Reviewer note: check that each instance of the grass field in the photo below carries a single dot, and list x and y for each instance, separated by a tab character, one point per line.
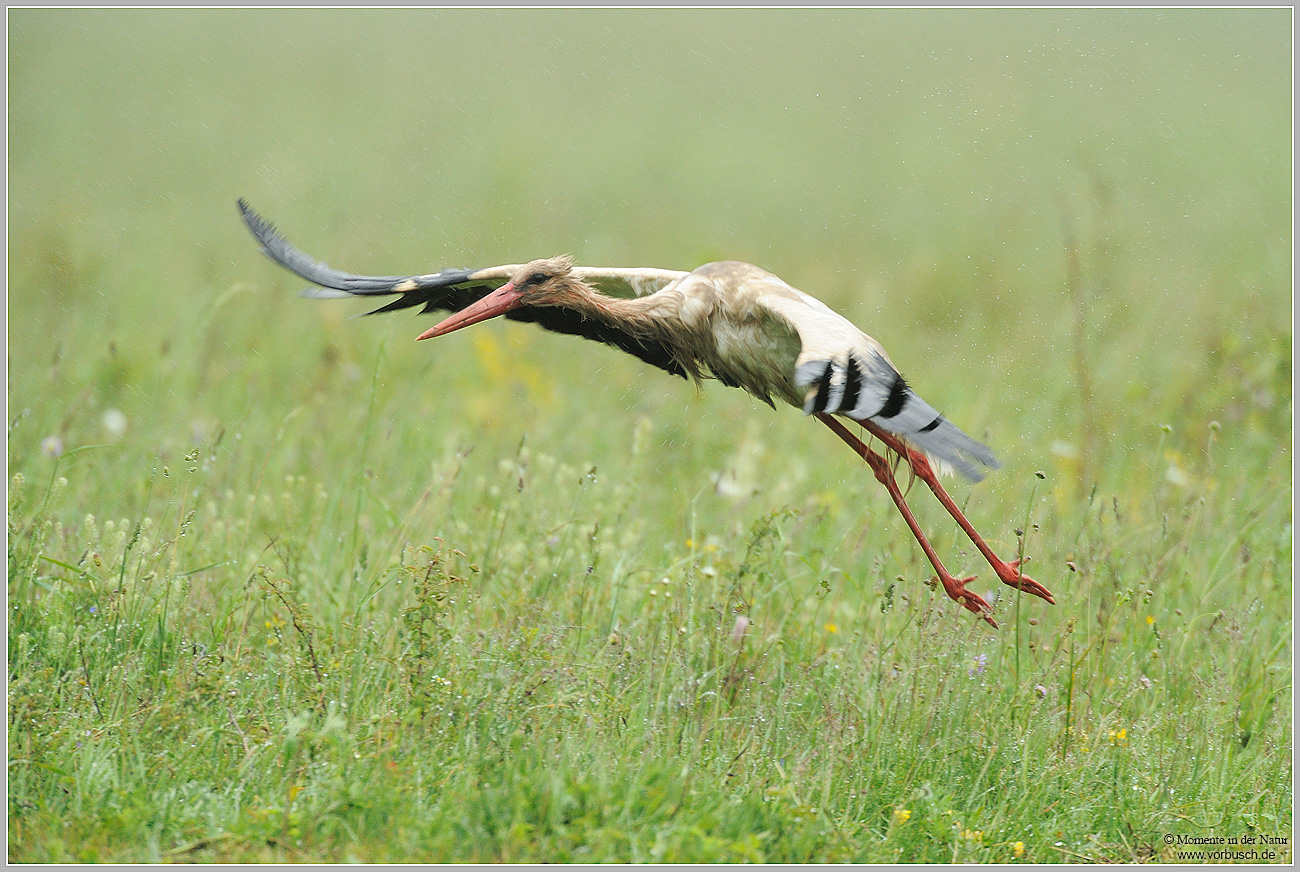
287	586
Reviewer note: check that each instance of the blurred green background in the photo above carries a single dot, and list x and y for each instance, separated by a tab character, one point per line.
913	168
1072	231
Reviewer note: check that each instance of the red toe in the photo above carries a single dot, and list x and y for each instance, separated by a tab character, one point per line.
1011	575
957	590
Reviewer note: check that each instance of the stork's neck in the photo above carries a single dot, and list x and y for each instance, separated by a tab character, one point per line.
656	320
651	313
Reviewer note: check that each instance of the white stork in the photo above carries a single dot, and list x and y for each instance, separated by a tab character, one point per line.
728	320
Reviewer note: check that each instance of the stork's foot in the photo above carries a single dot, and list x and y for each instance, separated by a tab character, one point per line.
1010	574
973	602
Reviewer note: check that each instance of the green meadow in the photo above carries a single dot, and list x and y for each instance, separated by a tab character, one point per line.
285	585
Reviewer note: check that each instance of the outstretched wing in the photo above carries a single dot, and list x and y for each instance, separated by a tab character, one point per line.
454	289
628	281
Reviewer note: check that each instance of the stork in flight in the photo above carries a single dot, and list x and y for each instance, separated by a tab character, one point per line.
728	320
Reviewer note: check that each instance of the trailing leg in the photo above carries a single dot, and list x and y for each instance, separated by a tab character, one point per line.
1009	572
954	587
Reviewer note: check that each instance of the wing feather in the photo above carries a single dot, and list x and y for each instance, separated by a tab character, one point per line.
628	281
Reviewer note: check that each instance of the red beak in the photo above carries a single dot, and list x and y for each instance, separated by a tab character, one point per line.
500	301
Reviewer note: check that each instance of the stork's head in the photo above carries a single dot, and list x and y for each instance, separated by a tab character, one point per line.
547	282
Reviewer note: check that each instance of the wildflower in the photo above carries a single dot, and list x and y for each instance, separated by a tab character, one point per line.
972	835
52	446
1018	849
1065	450
1120	737
1042	691
1145	682
115	423
1151	619
1175	474
901	815
977	665
831	628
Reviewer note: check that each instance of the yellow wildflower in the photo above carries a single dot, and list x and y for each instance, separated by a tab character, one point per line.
1018	849
901	815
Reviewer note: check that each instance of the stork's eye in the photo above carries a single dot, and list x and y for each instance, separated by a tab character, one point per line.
536	278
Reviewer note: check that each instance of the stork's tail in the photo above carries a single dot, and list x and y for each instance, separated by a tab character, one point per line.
922	425
869	388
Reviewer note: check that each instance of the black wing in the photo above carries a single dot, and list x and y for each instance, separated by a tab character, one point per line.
450	290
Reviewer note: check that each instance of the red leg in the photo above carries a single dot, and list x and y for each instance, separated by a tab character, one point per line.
954	587
1009	572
